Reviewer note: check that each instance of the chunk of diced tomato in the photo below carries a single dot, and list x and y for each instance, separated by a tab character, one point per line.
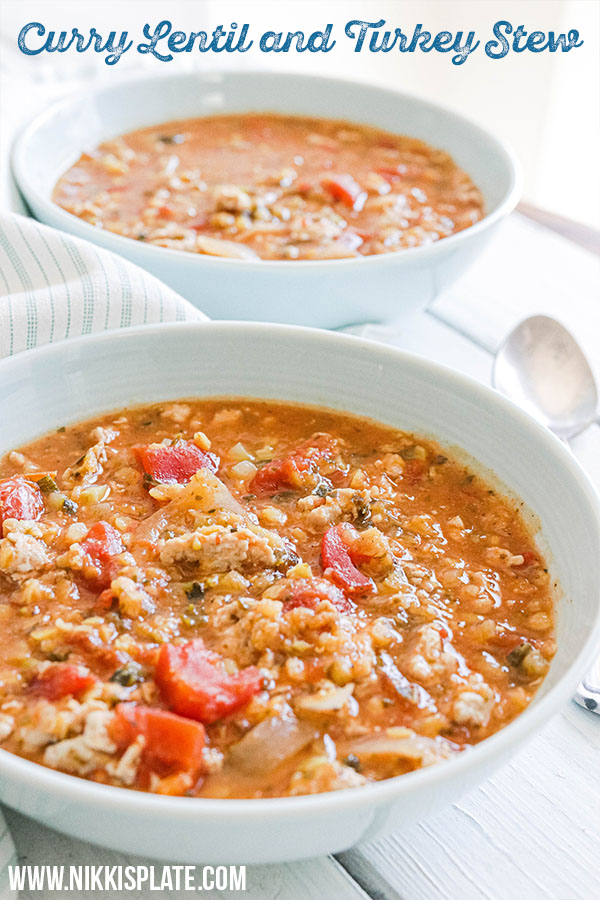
336	557
20	499
171	742
194	684
309	592
290	471
529	559
343	188
104	601
103	542
175	463
507	640
402	170
61	680
276	476
414	469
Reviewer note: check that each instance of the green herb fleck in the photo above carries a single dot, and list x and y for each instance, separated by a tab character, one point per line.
196	591
131	673
282	496
516	656
363	511
47	484
408	452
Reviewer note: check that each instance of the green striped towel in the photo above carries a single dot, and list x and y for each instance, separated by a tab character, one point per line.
54	286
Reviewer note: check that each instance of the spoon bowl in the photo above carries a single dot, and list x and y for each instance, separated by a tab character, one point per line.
543	369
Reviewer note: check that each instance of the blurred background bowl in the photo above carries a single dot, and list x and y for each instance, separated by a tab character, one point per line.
324	293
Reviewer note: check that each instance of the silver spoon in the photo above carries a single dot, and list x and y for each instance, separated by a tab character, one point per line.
541	367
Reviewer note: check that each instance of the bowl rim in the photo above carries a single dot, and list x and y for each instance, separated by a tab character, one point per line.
68	788
119	242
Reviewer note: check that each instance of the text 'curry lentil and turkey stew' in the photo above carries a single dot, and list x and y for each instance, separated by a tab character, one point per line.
229	598
271	187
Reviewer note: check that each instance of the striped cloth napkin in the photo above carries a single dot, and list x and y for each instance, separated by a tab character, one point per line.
54	286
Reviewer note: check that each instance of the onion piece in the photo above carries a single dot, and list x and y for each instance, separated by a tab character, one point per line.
270	743
405	743
412	692
331	250
328	700
204	492
229	249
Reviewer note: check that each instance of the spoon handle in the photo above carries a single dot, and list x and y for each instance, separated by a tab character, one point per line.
588	690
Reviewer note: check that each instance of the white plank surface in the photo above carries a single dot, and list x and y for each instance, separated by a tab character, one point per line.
527	270
531	831
316	879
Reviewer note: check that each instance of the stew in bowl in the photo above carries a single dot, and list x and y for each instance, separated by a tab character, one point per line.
270	186
231	598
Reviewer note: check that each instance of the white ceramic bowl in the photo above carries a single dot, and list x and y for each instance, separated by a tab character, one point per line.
325	293
44	388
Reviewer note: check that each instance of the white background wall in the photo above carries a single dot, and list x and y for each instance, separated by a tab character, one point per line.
546	105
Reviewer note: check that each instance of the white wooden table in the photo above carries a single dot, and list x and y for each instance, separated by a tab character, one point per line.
533	830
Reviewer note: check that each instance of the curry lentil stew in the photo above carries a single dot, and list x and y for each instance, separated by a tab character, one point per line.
229	598
271	187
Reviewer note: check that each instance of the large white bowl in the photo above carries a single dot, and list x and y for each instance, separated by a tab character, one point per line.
325	293
46	388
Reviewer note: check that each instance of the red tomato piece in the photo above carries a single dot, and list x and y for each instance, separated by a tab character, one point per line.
102	543
200	224
276	476
172	742
61	679
308	592
507	640
194	684
529	559
175	464
104	601
336	557
412	170
343	188
20	499
289	472
414	469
